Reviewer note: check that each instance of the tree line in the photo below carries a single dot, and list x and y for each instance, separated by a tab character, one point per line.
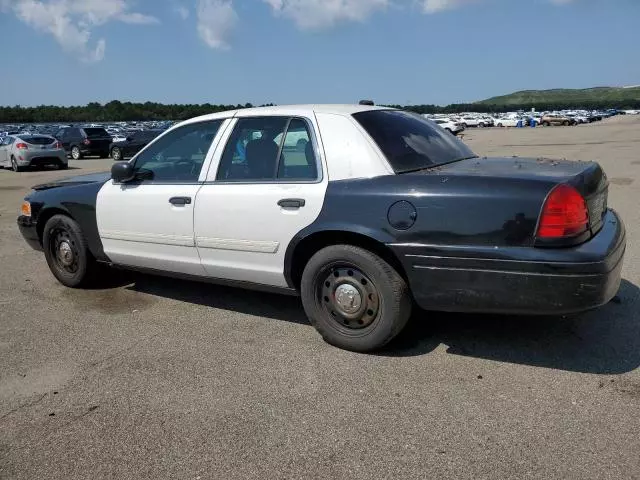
116	111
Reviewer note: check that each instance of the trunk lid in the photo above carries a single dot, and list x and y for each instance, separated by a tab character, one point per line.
586	177
99	138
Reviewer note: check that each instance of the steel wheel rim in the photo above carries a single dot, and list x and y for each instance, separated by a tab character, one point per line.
64	251
348	297
75	153
116	154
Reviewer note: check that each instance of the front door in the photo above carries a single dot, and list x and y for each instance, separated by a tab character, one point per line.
148	222
268	185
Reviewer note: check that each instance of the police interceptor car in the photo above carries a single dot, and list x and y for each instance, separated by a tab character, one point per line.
364	211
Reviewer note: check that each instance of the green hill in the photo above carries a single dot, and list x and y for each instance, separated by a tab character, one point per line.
569	97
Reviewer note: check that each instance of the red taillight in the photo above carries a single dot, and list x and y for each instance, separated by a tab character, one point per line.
22	146
564	214
58	146
86	141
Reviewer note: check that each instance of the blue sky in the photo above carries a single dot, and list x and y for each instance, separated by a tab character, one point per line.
71	52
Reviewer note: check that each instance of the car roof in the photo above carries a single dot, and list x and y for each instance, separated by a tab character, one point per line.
307	110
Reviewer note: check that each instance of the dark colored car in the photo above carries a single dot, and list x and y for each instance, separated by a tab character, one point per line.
133	144
85	141
363	211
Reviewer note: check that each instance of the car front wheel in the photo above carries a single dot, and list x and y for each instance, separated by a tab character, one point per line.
66	252
355	299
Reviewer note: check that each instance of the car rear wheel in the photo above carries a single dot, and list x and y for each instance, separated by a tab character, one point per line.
66	251
75	153
116	154
481	125
14	165
353	298
545	124
565	123
500	125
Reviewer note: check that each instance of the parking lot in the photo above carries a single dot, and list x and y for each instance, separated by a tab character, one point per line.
159	378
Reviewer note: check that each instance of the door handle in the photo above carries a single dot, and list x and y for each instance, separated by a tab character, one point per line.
291	202
180	200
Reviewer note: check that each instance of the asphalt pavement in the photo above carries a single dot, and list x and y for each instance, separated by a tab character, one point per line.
157	378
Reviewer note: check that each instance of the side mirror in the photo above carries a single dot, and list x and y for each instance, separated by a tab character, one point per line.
122	172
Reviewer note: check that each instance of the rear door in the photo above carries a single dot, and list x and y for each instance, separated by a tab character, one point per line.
266	184
149	223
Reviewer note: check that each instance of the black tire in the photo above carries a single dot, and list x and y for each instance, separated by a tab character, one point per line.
73	271
500	125
116	154
565	123
63	166
545	124
14	165
104	154
481	125
385	301
76	154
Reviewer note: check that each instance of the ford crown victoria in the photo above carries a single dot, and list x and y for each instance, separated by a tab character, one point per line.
365	212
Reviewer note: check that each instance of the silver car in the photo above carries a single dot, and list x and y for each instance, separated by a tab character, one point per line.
20	151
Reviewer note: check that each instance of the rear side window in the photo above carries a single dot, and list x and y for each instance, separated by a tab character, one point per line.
38	140
268	149
411	142
297	160
95	132
252	150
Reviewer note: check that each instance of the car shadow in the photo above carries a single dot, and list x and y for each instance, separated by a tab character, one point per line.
602	341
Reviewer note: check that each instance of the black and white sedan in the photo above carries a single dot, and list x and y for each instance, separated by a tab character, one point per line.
362	211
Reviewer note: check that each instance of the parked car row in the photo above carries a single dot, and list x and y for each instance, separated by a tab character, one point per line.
457	123
37	145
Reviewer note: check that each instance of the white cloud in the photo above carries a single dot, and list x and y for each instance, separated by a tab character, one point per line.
179	8
315	14
216	21
434	6
70	21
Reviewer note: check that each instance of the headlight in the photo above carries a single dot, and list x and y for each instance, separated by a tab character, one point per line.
25	209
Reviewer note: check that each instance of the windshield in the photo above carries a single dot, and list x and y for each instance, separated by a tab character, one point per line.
411	142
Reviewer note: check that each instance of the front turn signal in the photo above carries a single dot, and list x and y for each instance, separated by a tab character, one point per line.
25	209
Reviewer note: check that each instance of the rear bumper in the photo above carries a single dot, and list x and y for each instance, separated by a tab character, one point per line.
518	280
37	159
27	228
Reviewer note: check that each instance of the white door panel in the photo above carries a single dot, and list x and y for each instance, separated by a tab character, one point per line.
139	227
243	234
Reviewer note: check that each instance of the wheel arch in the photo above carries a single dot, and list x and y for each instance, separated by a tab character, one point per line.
304	247
45	215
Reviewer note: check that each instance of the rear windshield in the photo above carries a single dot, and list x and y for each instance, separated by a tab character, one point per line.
411	142
96	132
34	140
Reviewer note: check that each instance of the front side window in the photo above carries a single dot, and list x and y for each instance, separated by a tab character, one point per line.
179	155
411	142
